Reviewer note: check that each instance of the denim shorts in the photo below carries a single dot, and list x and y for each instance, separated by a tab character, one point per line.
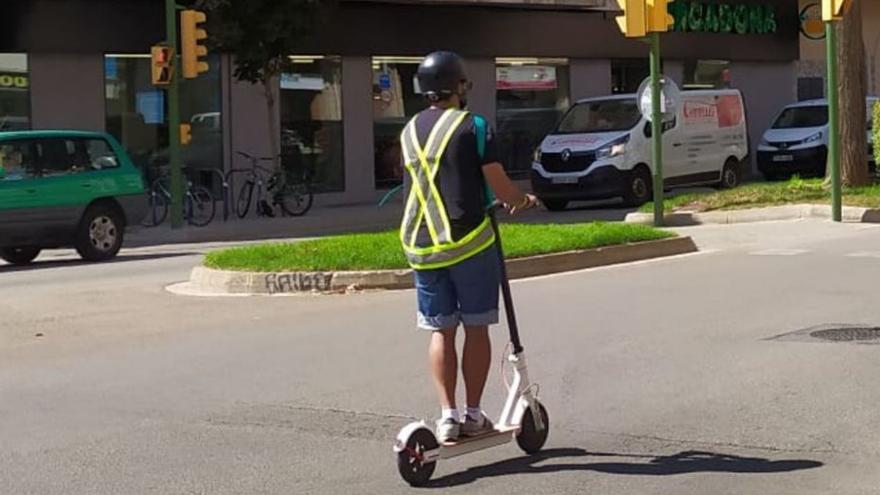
465	293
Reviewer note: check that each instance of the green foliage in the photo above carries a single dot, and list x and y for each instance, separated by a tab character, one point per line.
261	34
875	131
381	250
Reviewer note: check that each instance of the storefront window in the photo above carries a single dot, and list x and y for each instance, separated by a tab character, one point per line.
395	101
311	120
532	94
137	115
15	99
627	75
706	74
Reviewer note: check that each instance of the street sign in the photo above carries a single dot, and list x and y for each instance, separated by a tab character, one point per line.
384	81
812	26
669	102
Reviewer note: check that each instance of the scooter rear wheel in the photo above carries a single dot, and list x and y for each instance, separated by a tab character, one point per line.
529	438
412	469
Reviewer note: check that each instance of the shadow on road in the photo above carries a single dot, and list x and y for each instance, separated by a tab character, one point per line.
67	262
686	462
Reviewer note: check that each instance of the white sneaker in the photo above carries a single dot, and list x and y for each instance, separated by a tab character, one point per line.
448	430
474	427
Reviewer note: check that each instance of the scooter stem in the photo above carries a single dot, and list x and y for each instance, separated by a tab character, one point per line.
505	286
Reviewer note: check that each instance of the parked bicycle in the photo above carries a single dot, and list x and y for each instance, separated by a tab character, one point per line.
198	203
289	190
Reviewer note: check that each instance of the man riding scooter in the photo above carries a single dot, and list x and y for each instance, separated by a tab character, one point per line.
450	158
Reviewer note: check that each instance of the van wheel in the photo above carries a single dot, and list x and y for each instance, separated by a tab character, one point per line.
100	232
729	175
555	204
638	187
19	255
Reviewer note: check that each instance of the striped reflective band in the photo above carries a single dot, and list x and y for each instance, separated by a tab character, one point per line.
449	254
424	202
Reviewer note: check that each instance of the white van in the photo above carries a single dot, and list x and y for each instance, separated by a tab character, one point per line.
797	142
602	148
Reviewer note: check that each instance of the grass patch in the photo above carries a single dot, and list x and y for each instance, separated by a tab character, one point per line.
382	251
794	191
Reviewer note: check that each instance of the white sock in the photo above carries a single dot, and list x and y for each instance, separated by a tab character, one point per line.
450	413
475	413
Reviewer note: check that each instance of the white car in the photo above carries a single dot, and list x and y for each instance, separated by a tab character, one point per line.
797	142
602	148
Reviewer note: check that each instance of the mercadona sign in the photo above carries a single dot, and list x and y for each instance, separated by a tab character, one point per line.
693	16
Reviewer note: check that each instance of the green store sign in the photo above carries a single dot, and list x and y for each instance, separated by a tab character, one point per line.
704	17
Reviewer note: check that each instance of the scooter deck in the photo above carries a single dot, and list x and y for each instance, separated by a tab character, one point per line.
462	441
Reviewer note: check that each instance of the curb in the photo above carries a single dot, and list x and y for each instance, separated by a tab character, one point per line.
208	281
774	213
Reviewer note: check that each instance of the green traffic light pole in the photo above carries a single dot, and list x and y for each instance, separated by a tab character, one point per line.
833	120
656	129
174	117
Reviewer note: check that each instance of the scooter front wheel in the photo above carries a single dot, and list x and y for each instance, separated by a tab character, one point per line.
529	438
410	461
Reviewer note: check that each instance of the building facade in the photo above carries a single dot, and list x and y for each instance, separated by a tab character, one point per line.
352	85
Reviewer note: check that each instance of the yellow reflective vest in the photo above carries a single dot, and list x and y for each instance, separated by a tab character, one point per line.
424	205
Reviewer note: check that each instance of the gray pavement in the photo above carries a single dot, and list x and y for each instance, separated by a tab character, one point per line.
660	377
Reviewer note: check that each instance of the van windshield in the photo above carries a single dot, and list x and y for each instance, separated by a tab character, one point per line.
600	116
796	117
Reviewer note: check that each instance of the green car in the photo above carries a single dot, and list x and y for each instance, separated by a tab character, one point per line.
63	189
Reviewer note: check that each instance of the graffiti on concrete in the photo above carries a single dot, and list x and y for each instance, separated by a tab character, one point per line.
282	283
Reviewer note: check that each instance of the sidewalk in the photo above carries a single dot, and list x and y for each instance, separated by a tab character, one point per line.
318	221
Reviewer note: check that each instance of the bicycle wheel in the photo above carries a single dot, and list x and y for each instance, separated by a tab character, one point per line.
158	204
295	199
244	199
200	206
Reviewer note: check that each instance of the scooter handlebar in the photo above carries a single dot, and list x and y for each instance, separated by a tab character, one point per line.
500	205
495	206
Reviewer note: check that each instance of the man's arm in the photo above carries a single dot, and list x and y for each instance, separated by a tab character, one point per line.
506	190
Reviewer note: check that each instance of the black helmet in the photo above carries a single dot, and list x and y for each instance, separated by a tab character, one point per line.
441	73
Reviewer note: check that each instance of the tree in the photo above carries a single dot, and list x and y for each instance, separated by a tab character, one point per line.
852	91
261	35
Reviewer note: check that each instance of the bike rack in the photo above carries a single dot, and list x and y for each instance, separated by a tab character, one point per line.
229	181
188	177
225	191
254	168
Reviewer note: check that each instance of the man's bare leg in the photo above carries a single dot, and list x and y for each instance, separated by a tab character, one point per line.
443	359
475	362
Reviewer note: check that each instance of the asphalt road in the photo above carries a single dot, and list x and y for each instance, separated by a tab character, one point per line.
660	377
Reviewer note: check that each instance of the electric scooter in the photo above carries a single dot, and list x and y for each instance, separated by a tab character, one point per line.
523	418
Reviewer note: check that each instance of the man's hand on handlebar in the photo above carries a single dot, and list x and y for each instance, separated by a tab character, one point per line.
529	201
506	191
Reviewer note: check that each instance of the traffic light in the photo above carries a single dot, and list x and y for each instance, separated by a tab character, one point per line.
185	134
833	10
659	20
162	64
633	23
192	47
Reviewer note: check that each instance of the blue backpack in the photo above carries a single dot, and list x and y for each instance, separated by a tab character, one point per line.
481	128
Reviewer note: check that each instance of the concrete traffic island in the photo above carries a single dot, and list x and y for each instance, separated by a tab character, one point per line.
206	281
